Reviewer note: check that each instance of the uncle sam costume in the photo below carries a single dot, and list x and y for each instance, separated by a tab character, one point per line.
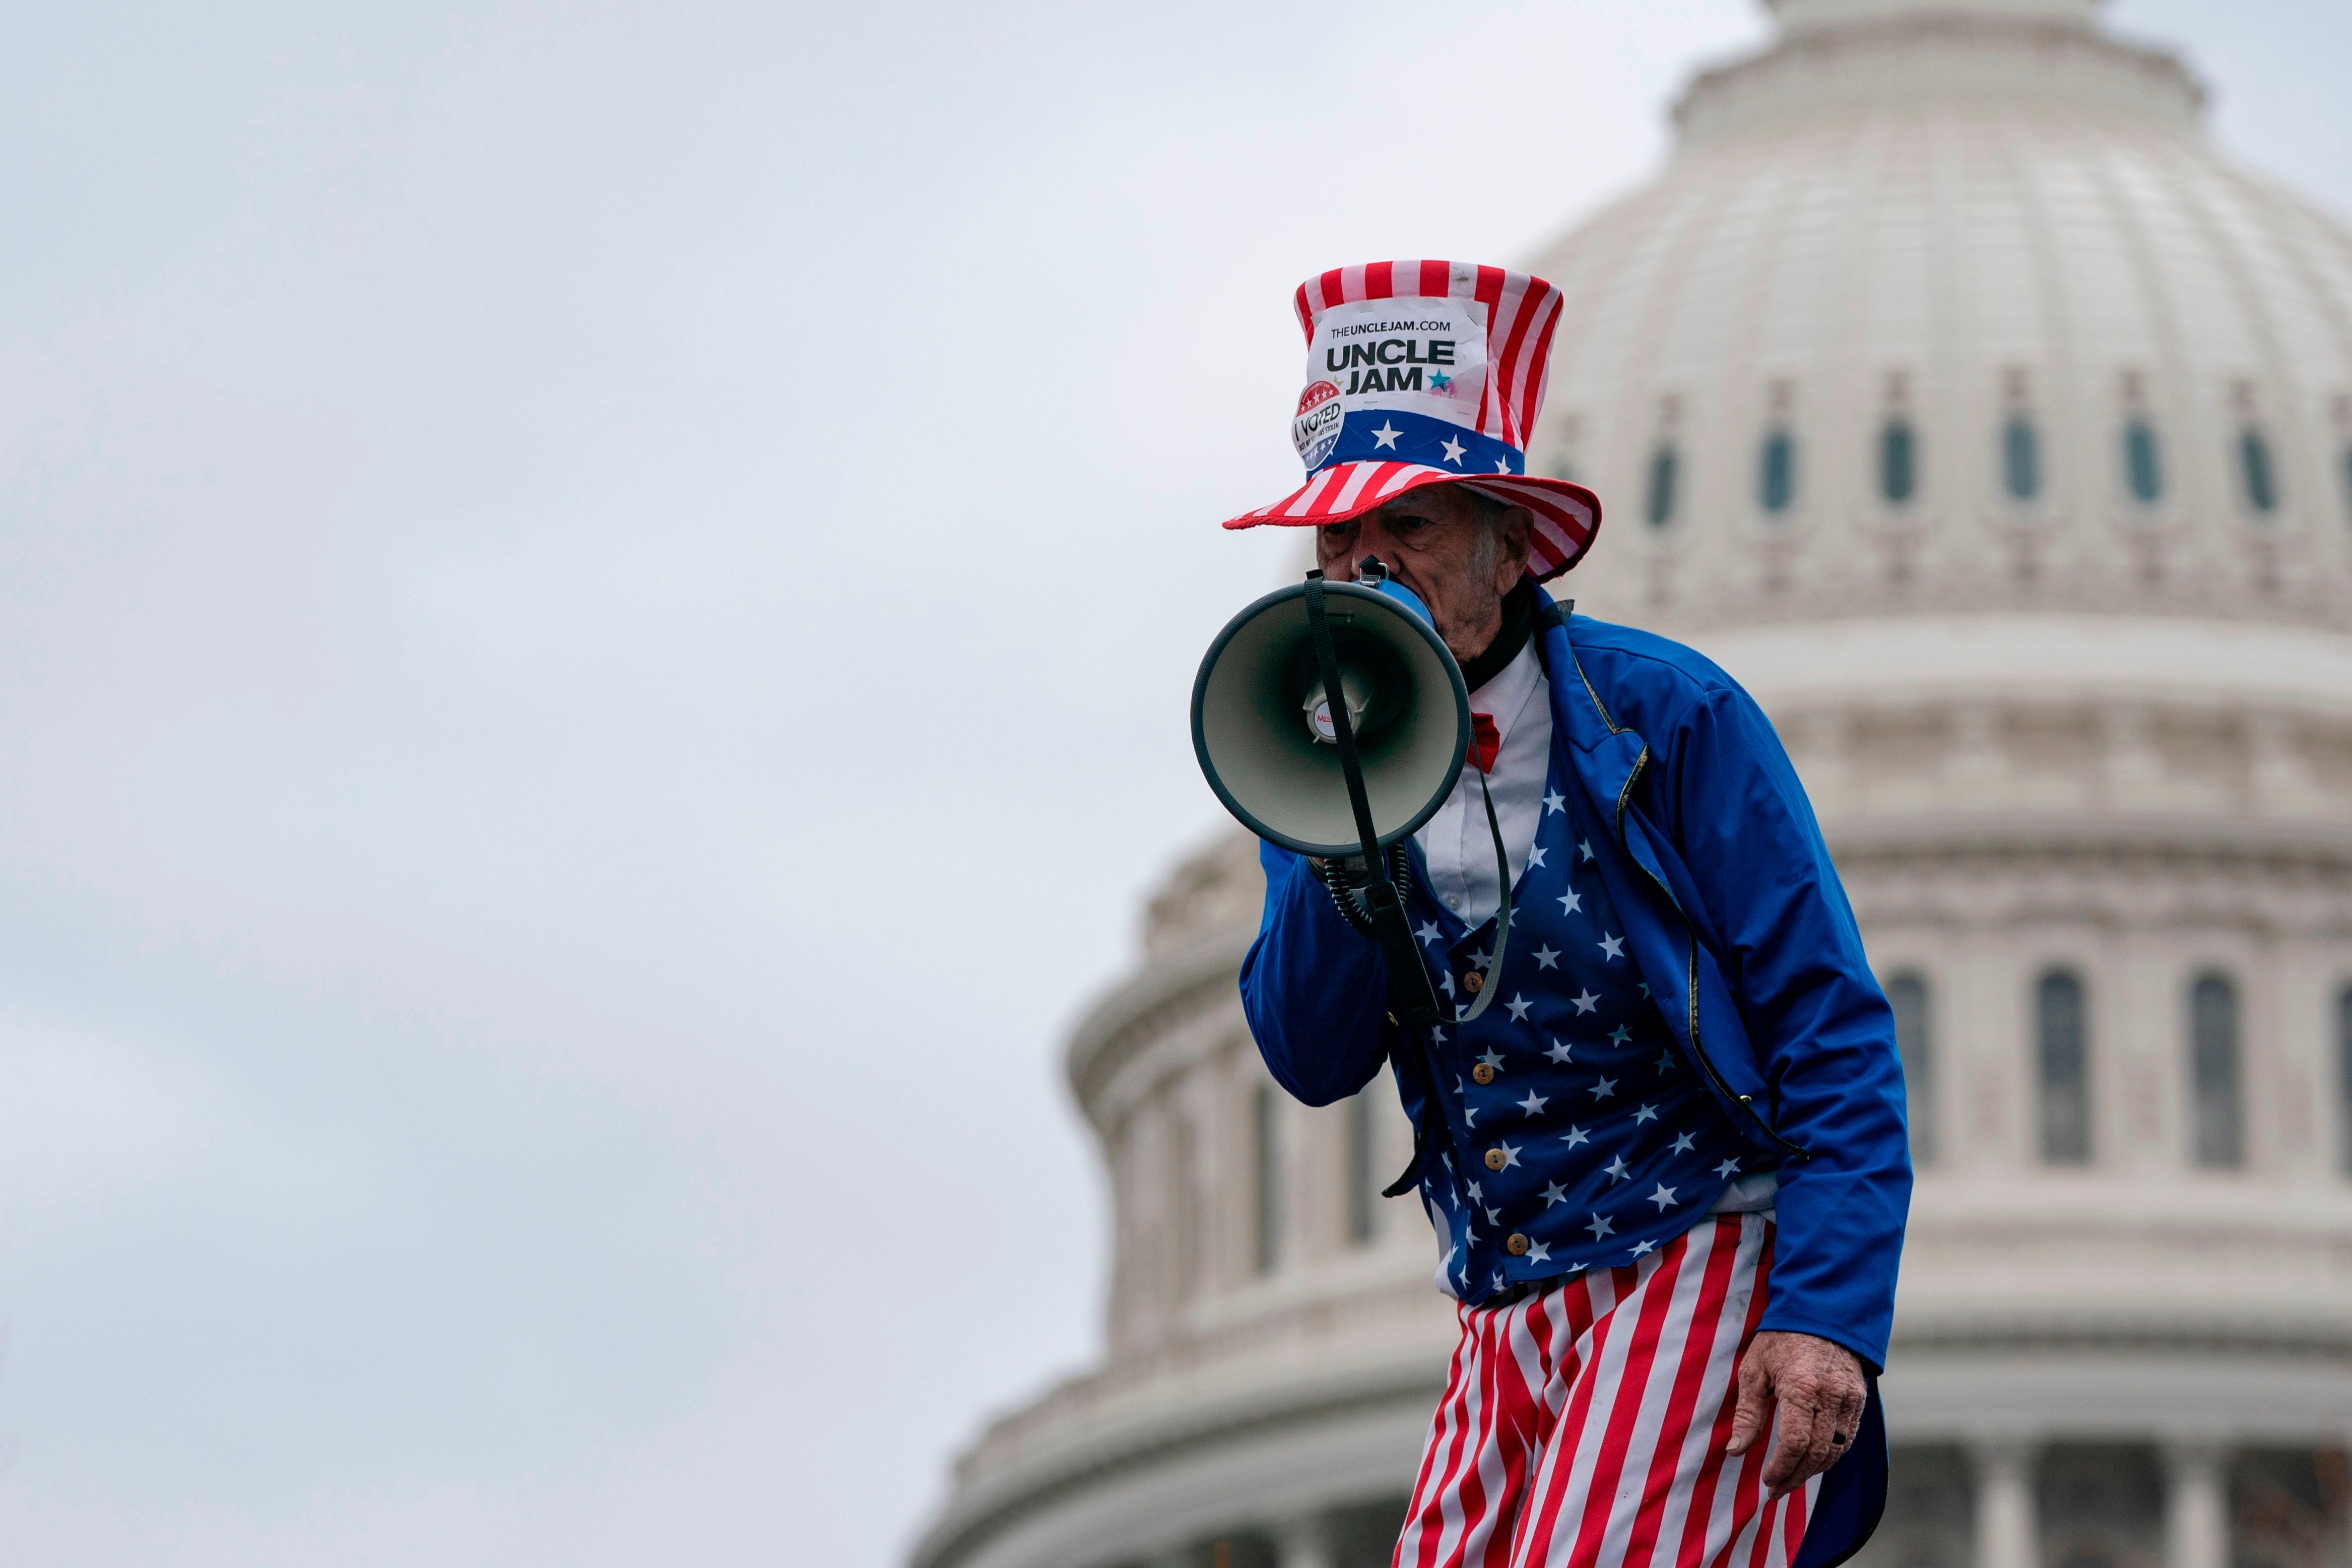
1679	1121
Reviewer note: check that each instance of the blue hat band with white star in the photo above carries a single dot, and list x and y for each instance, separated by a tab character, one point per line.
1395	436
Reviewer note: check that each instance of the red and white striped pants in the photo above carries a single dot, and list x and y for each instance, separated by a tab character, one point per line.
1583	1426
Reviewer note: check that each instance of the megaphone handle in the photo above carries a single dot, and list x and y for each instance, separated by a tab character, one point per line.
1348	901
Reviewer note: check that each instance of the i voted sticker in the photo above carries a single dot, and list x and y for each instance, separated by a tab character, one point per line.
1315	429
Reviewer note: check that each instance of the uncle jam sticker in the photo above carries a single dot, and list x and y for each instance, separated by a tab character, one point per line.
1416	356
1315	429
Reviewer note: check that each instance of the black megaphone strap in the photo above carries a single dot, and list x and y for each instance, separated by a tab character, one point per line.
1413	997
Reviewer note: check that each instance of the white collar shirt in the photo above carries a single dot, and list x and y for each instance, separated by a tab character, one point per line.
1456	844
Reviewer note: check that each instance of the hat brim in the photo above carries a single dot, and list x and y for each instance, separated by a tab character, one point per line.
1567	515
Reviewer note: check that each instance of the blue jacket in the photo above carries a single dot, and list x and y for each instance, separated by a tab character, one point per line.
1736	916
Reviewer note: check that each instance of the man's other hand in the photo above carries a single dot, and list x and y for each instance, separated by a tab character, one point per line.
1818	1388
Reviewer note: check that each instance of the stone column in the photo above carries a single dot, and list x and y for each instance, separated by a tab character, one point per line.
2196	1509
1306	1543
2008	1533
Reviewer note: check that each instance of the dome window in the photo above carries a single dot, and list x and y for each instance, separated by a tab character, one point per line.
1898	461
2217	1138
2065	1070
1906	993
2021	460
2142	471
1663	463
2344	1081
2255	469
1776	475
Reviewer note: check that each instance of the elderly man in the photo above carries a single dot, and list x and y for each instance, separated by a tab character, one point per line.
1667	1162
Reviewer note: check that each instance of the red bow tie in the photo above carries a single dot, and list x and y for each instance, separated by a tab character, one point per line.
1485	742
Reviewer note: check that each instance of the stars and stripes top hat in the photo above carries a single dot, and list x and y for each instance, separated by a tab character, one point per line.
1428	373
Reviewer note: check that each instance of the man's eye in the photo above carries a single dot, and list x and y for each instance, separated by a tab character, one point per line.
1407	525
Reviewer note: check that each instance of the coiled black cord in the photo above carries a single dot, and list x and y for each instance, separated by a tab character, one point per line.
1343	879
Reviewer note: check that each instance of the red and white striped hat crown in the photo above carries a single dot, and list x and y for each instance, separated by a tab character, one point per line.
1428	373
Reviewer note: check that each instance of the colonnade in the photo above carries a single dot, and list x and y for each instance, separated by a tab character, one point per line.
2007	1518
1303	1540
2008	1522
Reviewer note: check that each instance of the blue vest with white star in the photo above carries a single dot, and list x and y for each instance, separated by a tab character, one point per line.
1582	1138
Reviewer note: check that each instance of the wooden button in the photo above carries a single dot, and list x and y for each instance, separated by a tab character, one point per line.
1518	1243
1473	981
1483	1073
1494	1159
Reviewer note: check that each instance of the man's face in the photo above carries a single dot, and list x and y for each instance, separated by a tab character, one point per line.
1429	540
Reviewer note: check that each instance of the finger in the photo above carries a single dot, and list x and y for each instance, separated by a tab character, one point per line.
1837	1418
1800	1438
1754	1408
1846	1427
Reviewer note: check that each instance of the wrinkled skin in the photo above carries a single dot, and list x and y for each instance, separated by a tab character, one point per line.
1429	540
1817	1389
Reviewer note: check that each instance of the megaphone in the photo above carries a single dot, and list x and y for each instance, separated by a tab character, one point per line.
1264	730
1331	720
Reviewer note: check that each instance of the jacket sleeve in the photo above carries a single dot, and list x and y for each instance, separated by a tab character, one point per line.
1821	1030
1314	989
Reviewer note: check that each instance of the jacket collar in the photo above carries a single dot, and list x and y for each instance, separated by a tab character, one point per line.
1576	705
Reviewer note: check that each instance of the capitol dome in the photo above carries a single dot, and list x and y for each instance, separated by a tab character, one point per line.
1955	307
1954	394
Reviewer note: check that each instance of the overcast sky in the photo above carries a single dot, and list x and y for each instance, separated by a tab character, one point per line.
595	608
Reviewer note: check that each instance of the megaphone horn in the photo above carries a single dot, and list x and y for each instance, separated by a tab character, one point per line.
1264	730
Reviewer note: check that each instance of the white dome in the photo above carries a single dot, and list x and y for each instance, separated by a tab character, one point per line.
1797	15
1958	221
